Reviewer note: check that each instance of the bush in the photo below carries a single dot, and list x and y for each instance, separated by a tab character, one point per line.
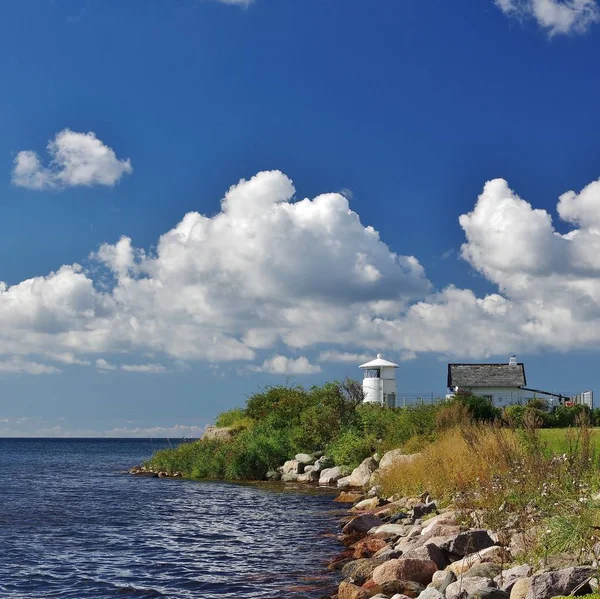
236	418
351	448
565	416
480	408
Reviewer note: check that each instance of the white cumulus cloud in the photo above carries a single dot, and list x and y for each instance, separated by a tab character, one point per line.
144	368
555	16
76	159
279	364
19	366
272	272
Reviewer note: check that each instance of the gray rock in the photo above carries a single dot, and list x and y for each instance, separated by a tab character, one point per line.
395	457
289	478
446	582
468	542
428	551
407	588
388	553
304	458
362	524
483	570
292	467
343	483
328	476
308	477
323	462
506	580
431	593
423	508
389	530
559	582
489	593
273	475
360	570
361	475
468	586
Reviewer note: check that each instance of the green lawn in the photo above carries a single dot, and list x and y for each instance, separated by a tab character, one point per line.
556	438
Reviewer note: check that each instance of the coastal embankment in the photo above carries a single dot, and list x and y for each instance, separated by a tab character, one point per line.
449	501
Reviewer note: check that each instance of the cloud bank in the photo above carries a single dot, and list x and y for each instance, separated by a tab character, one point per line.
555	16
76	159
271	275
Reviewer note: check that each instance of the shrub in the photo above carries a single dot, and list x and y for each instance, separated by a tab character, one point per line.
351	447
236	418
480	408
567	415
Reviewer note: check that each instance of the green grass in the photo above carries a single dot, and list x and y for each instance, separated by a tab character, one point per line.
556	439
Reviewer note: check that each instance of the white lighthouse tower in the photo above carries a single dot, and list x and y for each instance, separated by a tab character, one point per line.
379	382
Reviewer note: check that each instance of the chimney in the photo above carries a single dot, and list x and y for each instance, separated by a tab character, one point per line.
512	361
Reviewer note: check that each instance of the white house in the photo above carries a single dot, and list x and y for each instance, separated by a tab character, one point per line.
379	382
504	384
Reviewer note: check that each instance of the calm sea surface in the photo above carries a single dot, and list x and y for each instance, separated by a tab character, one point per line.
73	526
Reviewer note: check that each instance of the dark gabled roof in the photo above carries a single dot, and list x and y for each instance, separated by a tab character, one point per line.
486	375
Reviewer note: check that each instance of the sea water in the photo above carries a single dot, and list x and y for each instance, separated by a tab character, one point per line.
74	525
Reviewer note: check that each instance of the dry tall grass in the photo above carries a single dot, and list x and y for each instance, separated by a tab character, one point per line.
462	458
505	479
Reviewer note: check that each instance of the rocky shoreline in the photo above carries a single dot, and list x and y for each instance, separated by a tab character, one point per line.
410	548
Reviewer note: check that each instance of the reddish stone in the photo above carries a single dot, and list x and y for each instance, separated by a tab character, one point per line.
347	590
349	497
367	547
417	570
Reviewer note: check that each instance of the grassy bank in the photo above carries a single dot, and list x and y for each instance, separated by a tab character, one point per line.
281	421
511	480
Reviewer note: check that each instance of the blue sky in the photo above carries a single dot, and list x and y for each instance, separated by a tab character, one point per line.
120	316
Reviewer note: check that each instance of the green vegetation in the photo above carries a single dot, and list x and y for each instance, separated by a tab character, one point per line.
281	421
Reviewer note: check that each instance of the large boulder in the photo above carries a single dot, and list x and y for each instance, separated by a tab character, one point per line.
496	554
289	478
520	588
483	570
218	433
468	542
387	531
308	477
404	588
559	582
347	590
395	457
446	518
292	467
304	458
360	570
362	524
371	503
428	552
417	570
489	593
323	462
368	546
506	580
349	497
343	483
468	586
361	475
441	579
328	476
431	593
